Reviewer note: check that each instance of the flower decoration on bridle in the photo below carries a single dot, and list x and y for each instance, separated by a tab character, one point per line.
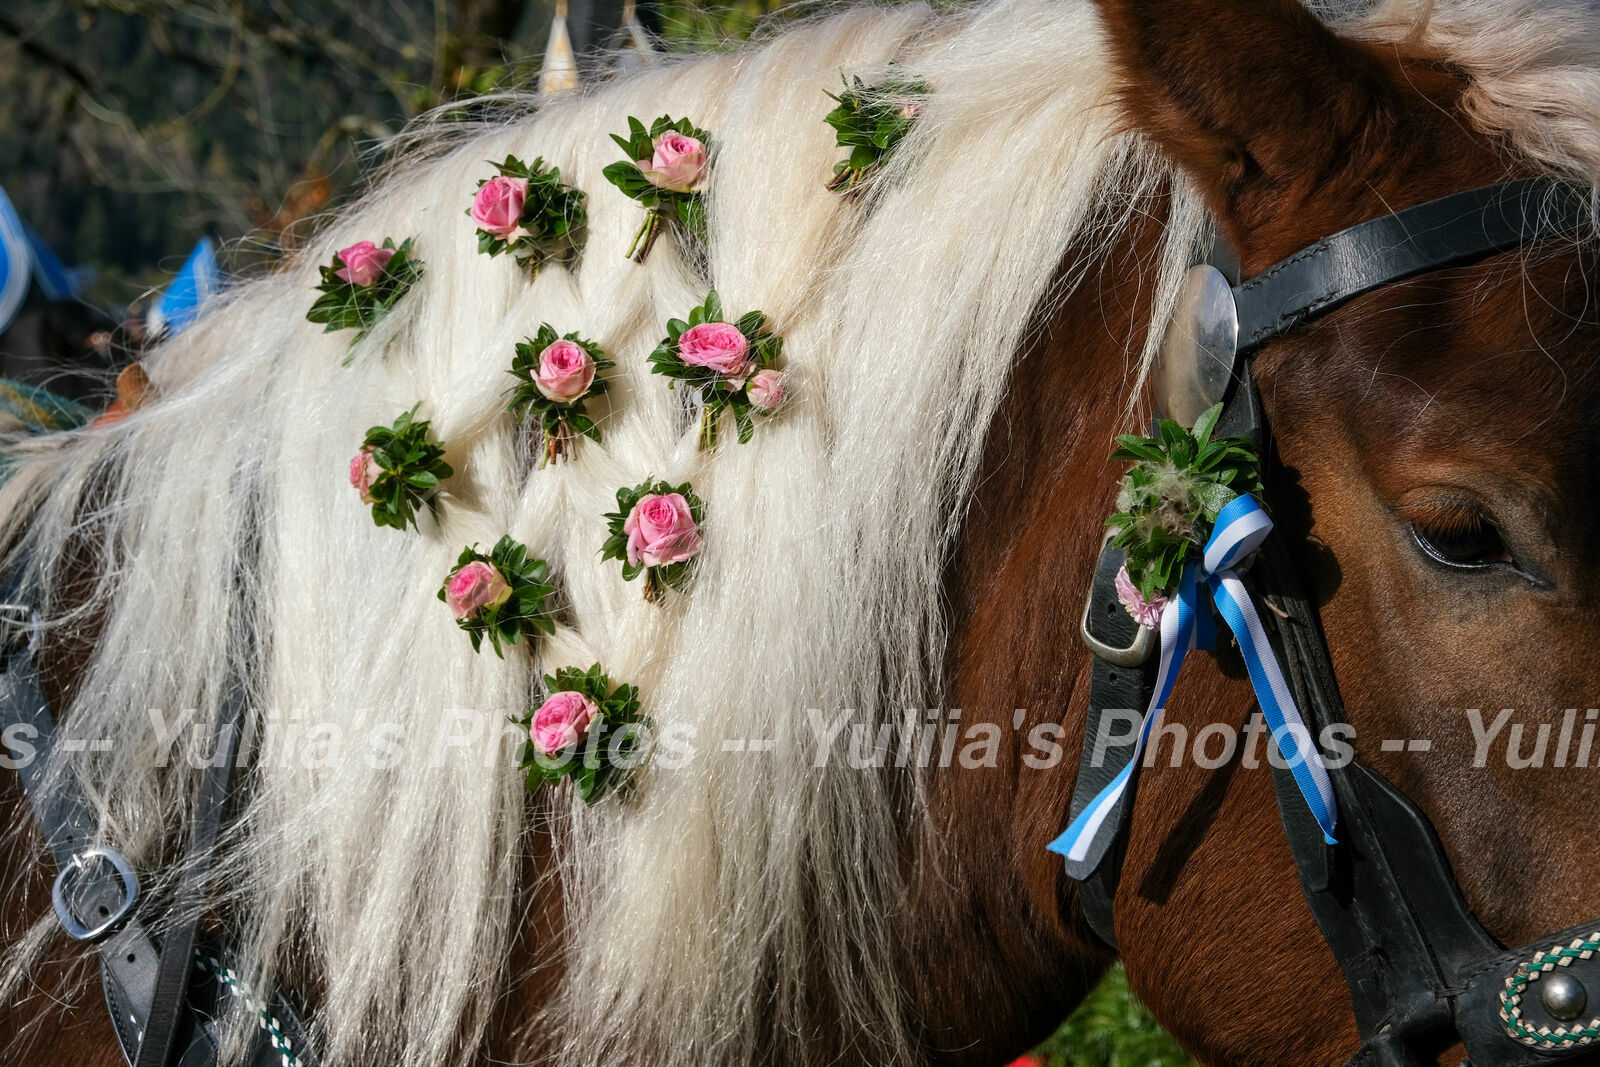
1188	524
555	376
870	120
501	595
398	470
361	284
587	730
528	212
730	366
655	531
665	172
1179	482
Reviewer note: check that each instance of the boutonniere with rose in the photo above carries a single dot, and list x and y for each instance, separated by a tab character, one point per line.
528	212
588	730
665	172
500	596
361	284
655	531
398	470
728	364
1179	482
555	376
871	120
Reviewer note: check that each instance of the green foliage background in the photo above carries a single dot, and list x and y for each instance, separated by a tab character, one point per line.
134	126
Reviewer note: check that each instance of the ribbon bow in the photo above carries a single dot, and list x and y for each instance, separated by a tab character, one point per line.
1240	528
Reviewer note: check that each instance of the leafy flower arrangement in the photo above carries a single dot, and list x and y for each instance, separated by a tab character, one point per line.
587	730
398	469
555	375
665	172
655	531
1180	481
501	595
362	283
528	212
728	364
870	121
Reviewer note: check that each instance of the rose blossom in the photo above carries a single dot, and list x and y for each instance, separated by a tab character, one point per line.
476	586
363	262
766	389
1144	612
661	530
497	208
565	372
718	345
560	721
364	470
677	163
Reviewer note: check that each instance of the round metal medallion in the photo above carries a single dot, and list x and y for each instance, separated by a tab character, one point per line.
1195	363
1563	996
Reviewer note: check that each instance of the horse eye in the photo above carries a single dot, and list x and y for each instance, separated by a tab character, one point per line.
1473	545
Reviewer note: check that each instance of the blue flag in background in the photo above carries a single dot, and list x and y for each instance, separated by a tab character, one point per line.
56	280
15	262
197	279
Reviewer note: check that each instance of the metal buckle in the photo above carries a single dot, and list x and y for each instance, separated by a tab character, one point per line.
80	862
1135	654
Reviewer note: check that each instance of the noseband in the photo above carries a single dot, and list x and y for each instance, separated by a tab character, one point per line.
1421	971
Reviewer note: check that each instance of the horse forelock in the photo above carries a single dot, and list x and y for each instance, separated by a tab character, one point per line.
707	917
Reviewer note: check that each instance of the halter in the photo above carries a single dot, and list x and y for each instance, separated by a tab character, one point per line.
1421	971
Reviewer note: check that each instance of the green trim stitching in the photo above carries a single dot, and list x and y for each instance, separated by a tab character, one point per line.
269	1023
1517	984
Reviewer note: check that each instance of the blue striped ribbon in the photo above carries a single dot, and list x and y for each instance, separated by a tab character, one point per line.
1186	625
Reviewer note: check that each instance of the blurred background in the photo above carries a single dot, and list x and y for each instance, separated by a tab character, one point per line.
152	149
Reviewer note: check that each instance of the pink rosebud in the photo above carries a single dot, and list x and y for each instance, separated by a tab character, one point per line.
765	389
565	372
678	163
561	721
1144	612
718	345
364	470
497	207
474	587
363	262
910	109
661	530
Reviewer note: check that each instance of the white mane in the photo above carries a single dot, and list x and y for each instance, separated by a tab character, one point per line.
697	908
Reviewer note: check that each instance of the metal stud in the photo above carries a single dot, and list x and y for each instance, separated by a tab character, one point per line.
1563	996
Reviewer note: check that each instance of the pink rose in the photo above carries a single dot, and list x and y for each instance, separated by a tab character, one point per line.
363	262
364	470
678	163
765	389
1144	612
661	530
498	206
560	721
718	345
475	587
565	372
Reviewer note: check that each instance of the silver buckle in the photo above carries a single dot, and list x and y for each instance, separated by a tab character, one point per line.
1135	654
80	862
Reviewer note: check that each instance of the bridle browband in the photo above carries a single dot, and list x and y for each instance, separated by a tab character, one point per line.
1421	971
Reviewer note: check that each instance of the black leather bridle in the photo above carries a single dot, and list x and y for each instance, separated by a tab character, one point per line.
1421	971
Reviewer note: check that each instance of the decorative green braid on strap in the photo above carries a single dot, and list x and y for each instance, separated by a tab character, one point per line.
269	1022
1517	984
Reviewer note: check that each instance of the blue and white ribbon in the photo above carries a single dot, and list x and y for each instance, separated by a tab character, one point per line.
1185	625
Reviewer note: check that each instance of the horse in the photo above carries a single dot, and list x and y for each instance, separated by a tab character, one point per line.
905	549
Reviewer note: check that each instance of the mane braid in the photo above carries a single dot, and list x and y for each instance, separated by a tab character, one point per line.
731	900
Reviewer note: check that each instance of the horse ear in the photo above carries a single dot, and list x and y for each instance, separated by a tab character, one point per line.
1258	100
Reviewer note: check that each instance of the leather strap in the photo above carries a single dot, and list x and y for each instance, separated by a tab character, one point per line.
170	999
1450	231
150	994
1112	688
